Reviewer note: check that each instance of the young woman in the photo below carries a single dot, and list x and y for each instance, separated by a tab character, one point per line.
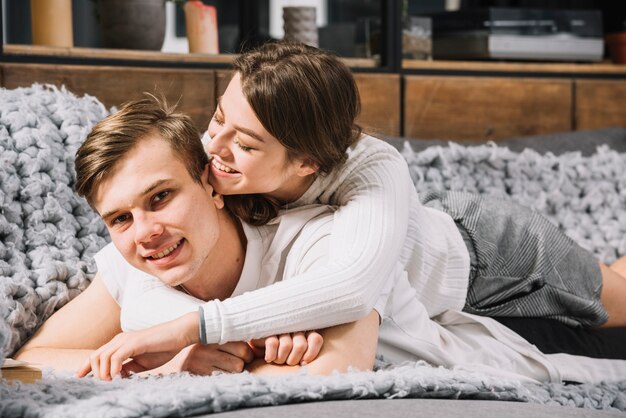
284	135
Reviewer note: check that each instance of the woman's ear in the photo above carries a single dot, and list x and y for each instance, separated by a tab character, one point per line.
307	167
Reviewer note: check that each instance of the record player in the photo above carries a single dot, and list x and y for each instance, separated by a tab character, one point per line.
518	34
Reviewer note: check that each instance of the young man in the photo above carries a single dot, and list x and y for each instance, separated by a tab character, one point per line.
163	217
166	223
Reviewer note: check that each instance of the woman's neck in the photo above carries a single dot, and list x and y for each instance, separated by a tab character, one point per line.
294	189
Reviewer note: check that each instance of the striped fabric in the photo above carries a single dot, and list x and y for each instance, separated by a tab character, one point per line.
521	264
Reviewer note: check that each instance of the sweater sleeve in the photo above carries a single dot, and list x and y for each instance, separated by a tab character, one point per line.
373	192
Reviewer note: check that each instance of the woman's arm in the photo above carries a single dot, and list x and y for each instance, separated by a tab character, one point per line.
348	345
370	226
69	336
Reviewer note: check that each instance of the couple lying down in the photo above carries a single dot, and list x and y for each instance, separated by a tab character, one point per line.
302	224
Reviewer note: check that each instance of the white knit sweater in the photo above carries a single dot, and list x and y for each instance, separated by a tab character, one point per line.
379	230
279	253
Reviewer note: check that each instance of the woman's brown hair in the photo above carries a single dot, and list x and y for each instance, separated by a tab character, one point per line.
307	99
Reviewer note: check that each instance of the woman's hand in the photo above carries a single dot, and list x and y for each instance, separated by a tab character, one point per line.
148	348
205	359
291	349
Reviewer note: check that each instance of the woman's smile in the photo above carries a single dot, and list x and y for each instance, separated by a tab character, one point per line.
219	166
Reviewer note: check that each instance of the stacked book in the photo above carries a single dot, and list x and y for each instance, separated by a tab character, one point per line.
20	370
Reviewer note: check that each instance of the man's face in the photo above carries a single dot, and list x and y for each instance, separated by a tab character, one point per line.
160	220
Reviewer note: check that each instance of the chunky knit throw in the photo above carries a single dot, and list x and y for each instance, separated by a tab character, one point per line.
48	237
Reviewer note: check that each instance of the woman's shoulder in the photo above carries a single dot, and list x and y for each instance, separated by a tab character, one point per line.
370	161
369	149
368	142
372	148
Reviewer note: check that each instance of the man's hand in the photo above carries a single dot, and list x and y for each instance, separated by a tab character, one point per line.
198	359
148	348
291	349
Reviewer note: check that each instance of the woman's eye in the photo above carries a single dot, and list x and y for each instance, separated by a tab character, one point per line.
218	119
243	147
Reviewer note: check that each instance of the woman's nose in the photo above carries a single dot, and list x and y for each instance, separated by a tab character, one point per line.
219	144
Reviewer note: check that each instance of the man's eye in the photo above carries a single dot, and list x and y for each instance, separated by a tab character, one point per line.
160	196
120	219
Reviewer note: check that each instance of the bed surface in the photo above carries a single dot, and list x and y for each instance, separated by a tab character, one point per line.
431	408
585	142
167	395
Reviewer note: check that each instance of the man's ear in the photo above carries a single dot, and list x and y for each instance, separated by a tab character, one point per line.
218	199
307	167
204	177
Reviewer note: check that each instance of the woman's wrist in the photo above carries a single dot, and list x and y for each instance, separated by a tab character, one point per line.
201	327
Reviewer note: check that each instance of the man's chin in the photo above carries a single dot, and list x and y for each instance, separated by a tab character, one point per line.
169	277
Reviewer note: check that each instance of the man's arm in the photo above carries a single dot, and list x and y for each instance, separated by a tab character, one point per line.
351	345
71	334
348	345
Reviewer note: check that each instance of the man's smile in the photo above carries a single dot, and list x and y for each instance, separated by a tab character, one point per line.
166	254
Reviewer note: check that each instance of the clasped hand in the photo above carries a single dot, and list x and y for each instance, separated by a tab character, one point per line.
133	352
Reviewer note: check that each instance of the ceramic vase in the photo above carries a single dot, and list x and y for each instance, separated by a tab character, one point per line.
299	24
51	22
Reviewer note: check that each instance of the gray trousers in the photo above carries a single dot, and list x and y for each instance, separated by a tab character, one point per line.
522	265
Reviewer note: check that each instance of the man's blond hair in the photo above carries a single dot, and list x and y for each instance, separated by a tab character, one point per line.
114	136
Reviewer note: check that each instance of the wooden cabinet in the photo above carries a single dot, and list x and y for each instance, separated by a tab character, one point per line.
380	103
194	89
600	103
473	101
492	101
485	108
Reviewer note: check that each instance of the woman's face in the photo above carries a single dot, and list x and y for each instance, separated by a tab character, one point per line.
246	159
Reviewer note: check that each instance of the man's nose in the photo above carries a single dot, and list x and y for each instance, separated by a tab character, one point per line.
147	227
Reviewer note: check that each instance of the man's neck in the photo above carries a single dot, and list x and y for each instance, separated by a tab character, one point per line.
222	269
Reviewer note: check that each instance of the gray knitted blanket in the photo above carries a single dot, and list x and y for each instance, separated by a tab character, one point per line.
48	236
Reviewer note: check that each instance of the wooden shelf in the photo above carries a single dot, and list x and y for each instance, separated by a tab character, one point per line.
516	67
147	56
114	54
471	100
417	65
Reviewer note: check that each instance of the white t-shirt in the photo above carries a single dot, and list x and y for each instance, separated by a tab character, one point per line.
302	244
